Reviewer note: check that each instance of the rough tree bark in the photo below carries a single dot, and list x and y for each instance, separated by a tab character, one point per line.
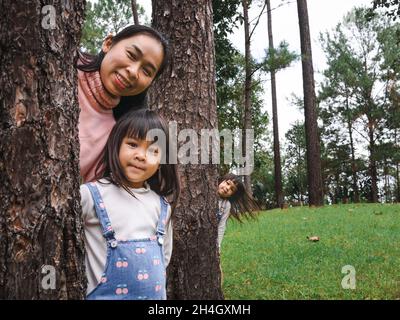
40	217
314	177
277	152
185	93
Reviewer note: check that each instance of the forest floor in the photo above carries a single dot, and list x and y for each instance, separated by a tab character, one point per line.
271	258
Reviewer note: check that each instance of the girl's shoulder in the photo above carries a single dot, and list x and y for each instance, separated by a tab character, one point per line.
158	198
97	183
106	187
102	185
224	204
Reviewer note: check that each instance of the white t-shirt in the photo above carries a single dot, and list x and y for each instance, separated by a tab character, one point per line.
225	208
131	218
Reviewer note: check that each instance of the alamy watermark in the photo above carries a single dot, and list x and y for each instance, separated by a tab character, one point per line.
48	281
49	19
189	146
349	281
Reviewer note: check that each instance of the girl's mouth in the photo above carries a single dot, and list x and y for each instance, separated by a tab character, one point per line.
137	167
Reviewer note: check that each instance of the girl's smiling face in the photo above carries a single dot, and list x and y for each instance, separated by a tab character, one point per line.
226	188
131	64
139	160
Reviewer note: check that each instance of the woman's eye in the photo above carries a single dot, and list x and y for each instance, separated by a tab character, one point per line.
131	55
147	72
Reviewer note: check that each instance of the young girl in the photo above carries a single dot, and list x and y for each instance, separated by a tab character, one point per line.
114	82
128	231
234	201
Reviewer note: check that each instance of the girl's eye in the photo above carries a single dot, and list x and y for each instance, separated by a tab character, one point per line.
132	144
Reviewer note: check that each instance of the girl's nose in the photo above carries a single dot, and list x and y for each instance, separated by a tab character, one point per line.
140	155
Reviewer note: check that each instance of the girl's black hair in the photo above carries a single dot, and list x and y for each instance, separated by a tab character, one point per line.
136	124
242	203
90	63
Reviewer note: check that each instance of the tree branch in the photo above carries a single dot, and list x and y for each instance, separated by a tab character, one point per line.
362	135
255	70
258	20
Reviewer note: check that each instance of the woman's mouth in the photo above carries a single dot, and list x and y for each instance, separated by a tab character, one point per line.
121	82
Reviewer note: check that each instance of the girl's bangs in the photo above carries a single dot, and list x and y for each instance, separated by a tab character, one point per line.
138	128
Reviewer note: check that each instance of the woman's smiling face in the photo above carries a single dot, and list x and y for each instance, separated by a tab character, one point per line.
131	64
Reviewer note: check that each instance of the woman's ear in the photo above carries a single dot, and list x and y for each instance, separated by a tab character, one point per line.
107	43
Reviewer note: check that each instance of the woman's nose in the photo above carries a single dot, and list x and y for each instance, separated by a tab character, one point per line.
133	71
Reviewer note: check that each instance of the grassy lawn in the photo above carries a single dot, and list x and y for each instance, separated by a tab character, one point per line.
271	258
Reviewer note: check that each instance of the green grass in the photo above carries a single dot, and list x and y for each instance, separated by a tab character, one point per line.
270	258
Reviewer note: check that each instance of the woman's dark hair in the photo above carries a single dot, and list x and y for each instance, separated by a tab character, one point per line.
242	203
90	63
137	124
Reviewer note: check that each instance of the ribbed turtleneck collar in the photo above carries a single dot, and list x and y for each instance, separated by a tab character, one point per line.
94	90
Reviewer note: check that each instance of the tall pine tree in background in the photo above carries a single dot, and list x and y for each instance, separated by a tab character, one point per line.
314	176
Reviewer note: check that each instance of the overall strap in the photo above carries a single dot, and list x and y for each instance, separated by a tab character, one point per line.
101	212
161	222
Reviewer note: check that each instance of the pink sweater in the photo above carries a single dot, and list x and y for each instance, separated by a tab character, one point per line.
95	121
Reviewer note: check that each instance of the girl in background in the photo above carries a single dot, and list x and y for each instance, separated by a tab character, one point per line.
233	201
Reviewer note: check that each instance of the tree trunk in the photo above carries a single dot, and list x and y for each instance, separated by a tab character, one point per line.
41	247
312	137
372	162
277	153
135	12
387	182
356	194
397	171
186	93
247	89
337	188
397	183
300	180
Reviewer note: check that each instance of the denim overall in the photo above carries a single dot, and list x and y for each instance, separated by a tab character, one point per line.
134	269
219	215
